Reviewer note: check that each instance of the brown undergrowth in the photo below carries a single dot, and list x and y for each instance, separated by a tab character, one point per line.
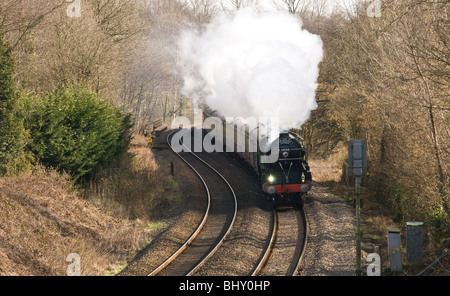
376	218
44	218
134	188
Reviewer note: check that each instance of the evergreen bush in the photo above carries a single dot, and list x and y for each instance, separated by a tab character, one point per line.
11	122
76	132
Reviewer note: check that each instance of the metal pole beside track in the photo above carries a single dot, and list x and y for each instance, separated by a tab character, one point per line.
357	160
358	226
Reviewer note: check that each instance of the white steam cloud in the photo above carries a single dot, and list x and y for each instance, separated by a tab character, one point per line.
253	64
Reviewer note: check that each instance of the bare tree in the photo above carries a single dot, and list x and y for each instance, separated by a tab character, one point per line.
19	17
293	6
204	10
238	4
386	80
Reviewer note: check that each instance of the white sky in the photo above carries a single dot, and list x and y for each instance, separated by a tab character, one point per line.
269	4
342	3
332	3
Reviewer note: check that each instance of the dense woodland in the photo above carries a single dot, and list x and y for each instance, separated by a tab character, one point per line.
385	79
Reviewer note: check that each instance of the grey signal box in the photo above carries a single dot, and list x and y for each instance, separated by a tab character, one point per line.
357	157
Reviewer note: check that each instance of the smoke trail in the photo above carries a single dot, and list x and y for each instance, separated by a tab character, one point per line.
253	64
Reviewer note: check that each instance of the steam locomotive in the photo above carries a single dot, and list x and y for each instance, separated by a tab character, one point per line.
285	182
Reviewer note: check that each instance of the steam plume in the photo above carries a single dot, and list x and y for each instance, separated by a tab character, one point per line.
253	64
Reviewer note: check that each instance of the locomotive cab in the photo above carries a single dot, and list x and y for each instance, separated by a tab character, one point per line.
288	180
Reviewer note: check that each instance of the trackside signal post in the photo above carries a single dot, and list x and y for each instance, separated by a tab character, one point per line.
357	162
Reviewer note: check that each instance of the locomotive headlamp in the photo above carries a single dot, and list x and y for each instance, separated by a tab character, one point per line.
271	178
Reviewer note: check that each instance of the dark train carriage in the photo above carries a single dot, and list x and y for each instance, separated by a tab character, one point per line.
284	182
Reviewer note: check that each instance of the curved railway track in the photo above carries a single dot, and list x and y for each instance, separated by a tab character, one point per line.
287	244
284	250
216	224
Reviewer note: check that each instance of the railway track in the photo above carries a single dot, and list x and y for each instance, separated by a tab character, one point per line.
288	232
286	246
216	224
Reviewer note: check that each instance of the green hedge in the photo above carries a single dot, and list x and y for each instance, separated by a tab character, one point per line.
76	132
11	128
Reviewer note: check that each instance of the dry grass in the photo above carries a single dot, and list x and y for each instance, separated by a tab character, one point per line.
43	219
329	173
328	170
135	188
325	171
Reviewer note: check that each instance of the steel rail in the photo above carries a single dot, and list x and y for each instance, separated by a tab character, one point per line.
270	245
298	256
232	221
195	234
305	241
202	223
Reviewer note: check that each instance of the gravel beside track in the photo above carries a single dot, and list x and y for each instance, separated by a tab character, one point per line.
331	242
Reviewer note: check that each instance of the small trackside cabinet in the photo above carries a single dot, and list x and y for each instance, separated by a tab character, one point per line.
414	242
395	249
